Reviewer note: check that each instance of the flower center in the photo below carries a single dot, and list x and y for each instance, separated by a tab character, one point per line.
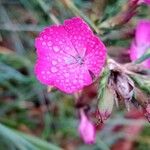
74	59
79	60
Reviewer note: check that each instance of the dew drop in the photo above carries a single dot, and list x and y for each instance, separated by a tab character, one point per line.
74	81
60	42
49	43
44	77
54	62
54	69
81	81
67	48
101	53
56	48
59	60
75	37
66	74
43	72
62	81
48	72
67	80
43	43
73	87
45	37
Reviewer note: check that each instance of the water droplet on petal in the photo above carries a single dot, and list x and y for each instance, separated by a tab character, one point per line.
54	62
48	72
49	43
74	81
66	74
59	60
54	69
62	81
57	81
45	37
43	43
81	81
56	48
67	80
43	72
60	42
67	48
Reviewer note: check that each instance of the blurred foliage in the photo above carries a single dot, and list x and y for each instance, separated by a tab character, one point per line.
31	118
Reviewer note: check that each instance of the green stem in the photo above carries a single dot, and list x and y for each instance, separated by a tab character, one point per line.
143	85
145	56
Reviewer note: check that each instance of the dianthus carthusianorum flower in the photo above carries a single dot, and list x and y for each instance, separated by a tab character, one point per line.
69	56
141	42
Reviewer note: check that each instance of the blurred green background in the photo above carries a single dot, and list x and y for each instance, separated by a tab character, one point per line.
30	117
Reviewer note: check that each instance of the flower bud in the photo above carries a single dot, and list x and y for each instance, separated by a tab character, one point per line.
124	86
86	129
106	104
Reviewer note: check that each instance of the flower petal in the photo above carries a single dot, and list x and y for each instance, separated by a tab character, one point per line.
142	42
61	55
143	33
95	56
54	40
79	33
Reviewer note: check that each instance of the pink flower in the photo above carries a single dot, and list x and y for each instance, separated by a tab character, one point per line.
147	1
86	129
142	42
144	1
69	56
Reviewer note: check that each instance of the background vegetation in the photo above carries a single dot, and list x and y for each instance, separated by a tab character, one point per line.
33	119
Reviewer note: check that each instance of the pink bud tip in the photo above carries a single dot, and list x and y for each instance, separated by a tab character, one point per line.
141	42
69	56
86	129
105	115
